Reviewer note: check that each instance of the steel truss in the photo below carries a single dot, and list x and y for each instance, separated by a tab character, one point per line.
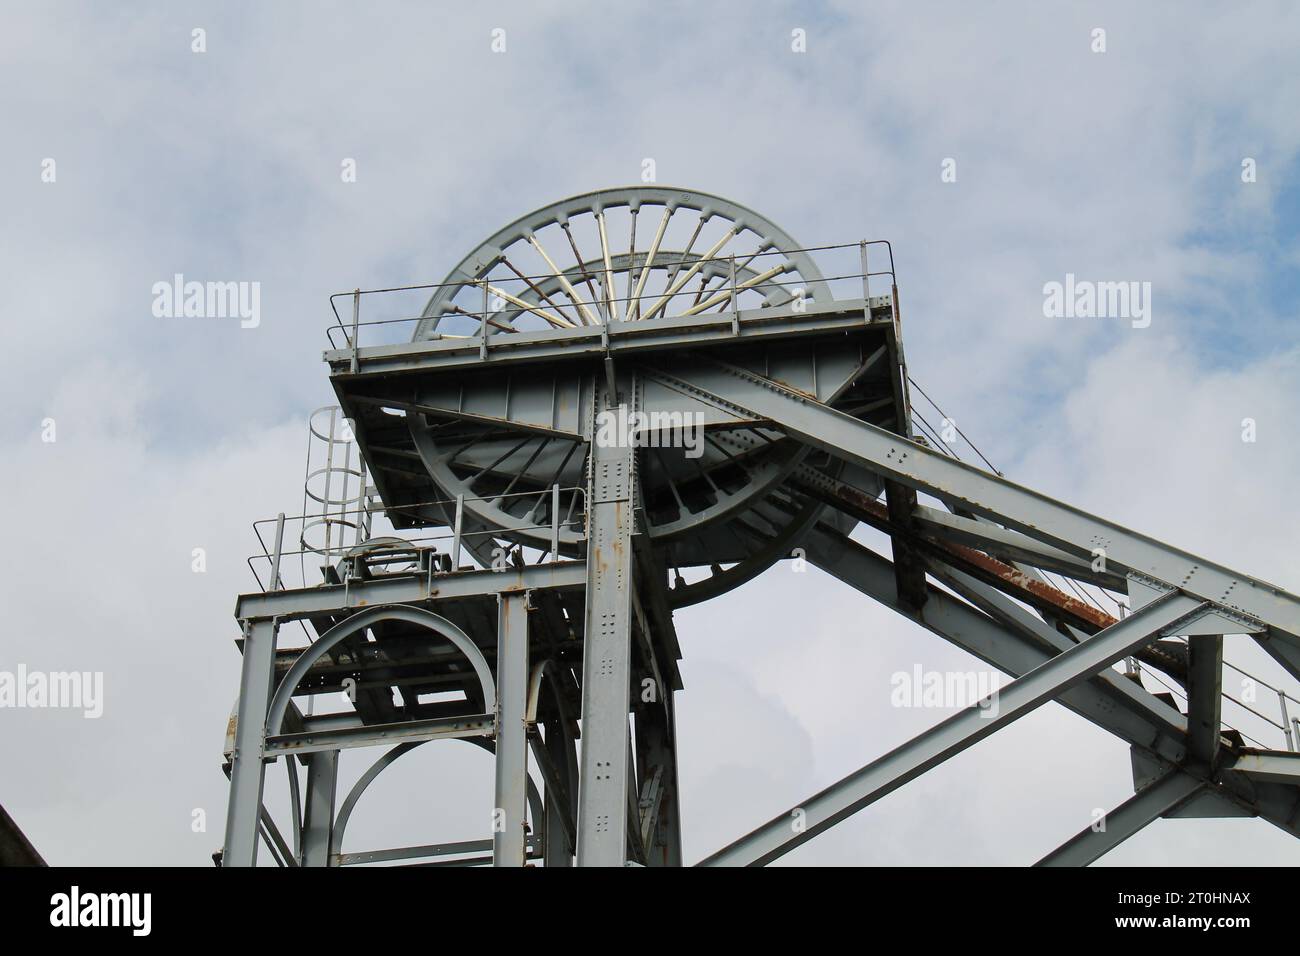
567	661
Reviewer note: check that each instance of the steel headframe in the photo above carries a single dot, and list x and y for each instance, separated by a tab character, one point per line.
806	407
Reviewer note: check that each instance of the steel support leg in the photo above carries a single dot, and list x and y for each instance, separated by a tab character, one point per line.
660	826
559	846
954	735
246	769
1125	820
1204	697
318	811
602	785
510	822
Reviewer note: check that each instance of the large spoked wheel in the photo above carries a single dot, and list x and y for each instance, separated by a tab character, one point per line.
635	254
567	265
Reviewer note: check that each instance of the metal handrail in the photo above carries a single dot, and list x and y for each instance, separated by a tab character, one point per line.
724	295
275	553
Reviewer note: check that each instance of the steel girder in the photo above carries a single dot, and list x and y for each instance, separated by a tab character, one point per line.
951	736
509	818
1048	534
1003	634
318	818
298	603
968	489
603	786
1030	527
263	710
247	773
1205	698
620	339
1125	820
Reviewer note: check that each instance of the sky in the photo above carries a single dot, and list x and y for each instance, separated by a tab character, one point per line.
172	434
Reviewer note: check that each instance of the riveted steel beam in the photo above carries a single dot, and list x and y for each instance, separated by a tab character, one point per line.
1125	820
247	772
951	736
606	666
1014	506
299	603
318	815
1205	697
371	735
510	824
614	338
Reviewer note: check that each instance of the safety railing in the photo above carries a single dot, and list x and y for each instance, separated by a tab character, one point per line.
486	306
392	550
1250	685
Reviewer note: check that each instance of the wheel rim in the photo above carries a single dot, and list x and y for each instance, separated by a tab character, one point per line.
640	253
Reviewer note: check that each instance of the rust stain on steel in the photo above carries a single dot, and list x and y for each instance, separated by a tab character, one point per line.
862	502
617	545
794	388
1021	581
1014	578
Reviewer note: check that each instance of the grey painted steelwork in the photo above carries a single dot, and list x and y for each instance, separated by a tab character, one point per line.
542	611
669	202
1021	509
883	776
371	735
1125	820
246	769
628	339
1205	697
603	781
406	589
510	823
318	818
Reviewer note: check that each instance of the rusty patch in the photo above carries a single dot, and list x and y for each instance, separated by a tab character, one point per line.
862	501
1018	580
1012	578
794	388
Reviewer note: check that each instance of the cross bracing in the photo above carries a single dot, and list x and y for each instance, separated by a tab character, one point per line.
500	551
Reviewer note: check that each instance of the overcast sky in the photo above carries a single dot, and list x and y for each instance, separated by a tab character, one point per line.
174	434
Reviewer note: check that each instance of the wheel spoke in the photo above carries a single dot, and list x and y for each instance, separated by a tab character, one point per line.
564	282
695	267
611	307
631	255
577	256
492	467
545	440
542	296
545	493
515	300
650	257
